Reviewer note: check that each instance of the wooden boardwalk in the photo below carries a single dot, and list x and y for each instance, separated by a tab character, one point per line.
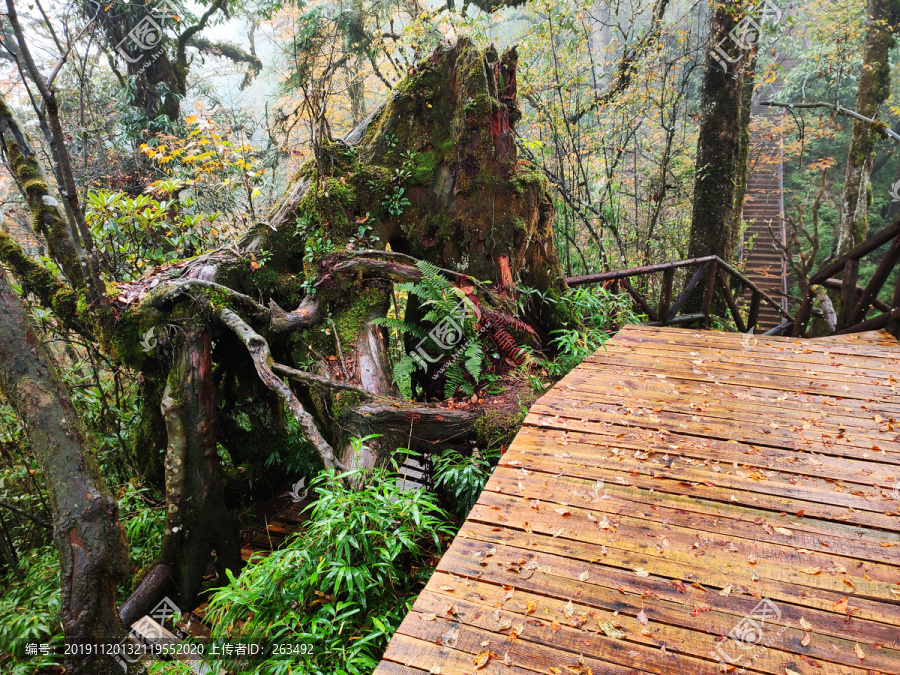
684	502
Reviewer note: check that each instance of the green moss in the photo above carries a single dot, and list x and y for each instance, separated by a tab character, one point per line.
343	400
497	427
357	314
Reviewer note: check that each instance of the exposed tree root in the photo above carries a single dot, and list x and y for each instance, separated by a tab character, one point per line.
259	351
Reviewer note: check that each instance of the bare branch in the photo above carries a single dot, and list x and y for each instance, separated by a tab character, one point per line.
883	129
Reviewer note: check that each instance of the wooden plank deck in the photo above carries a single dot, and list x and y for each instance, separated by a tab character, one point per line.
684	502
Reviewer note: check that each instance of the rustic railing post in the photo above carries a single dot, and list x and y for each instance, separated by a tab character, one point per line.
709	290
753	315
848	292
729	299
893	324
639	299
868	296
665	297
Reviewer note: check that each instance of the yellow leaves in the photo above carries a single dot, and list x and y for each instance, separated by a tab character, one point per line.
481	659
859	652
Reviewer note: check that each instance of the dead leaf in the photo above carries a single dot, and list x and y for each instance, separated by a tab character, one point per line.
859	652
641	572
642	618
611	631
562	512
806	624
583	576
806	640
435	669
812	571
429	617
569	610
482	658
783	530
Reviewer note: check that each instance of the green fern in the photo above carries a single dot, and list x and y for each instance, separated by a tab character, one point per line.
400	326
440	300
474	356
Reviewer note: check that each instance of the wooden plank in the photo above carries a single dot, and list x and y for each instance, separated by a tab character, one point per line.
797	346
721	550
770	494
669	487
570	553
709	516
667	622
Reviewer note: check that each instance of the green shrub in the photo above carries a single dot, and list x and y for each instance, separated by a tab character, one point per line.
29	612
461	479
344	584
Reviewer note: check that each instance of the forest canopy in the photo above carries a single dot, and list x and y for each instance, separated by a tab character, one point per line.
311	263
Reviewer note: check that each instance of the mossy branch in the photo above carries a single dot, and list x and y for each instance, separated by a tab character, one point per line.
172	291
262	360
36	278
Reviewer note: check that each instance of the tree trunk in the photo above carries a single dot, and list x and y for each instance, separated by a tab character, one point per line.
434	173
197	520
86	529
723	141
874	89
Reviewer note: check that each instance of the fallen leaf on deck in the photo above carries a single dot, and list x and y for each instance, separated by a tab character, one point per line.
784	531
806	640
642	618
583	576
641	572
611	631
481	659
806	624
859	652
569	610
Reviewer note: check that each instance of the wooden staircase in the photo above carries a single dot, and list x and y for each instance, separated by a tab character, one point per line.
764	207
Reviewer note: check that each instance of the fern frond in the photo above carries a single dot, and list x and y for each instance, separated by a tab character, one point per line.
454	378
405	368
474	360
400	326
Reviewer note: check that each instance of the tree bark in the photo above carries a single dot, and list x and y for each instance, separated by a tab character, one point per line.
874	89
722	142
197	519
86	528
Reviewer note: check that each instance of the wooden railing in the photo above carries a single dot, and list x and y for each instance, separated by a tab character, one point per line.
711	270
855	301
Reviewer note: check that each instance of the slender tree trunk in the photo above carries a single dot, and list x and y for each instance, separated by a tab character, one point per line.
86	529
874	89
722	143
197	520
